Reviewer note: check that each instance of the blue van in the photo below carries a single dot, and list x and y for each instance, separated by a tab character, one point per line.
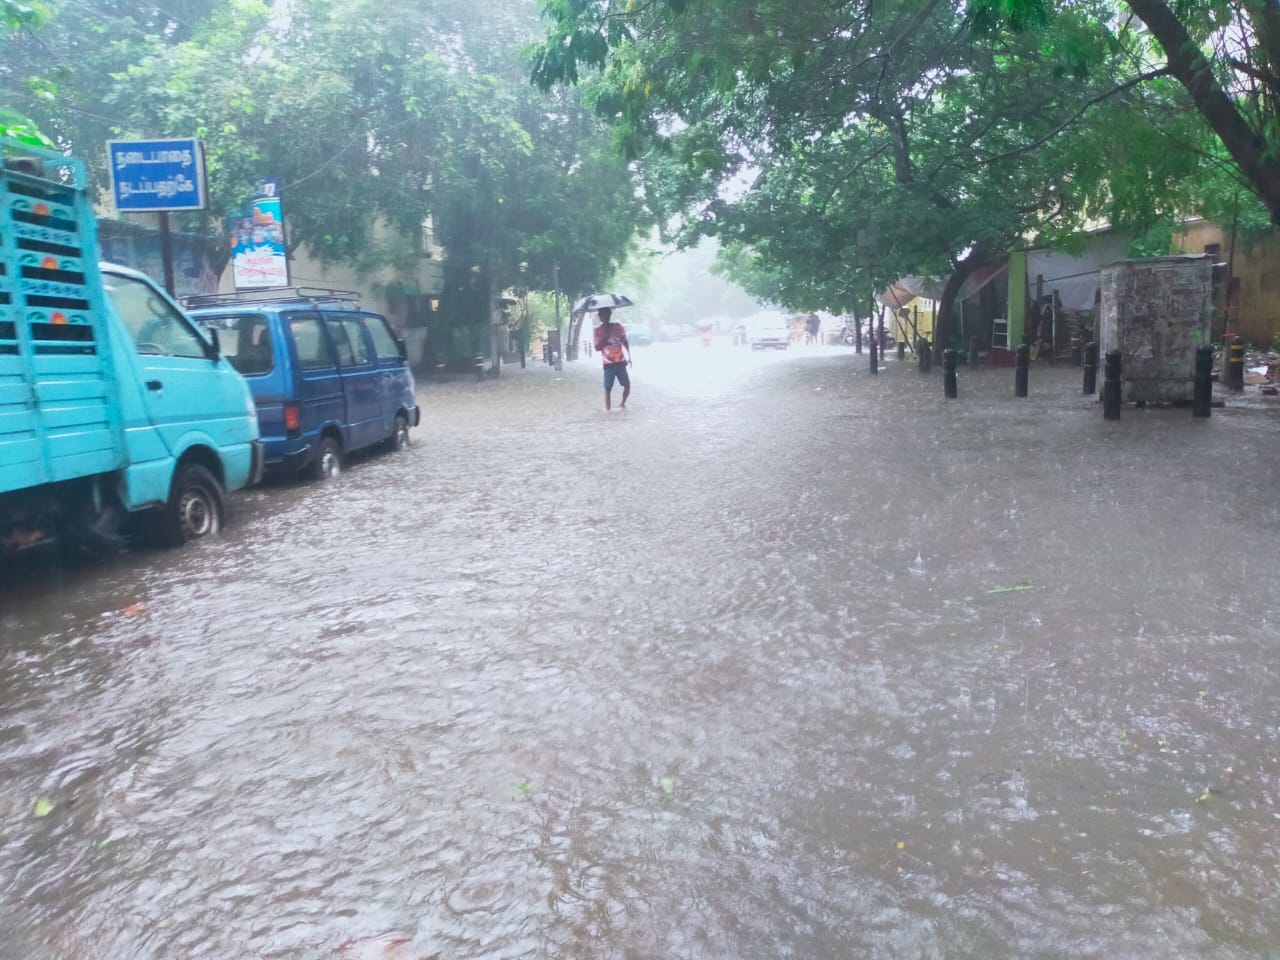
328	378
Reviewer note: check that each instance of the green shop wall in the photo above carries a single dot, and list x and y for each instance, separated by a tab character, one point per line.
1017	297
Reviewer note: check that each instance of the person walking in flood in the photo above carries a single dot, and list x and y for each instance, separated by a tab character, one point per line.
812	330
615	353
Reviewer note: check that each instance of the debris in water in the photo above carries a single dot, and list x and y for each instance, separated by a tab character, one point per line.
389	946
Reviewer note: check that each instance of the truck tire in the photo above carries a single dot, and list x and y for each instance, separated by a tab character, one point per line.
195	509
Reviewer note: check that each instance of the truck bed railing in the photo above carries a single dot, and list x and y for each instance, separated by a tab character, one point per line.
60	418
46	164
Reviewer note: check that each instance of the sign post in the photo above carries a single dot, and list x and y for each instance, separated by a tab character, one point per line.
158	176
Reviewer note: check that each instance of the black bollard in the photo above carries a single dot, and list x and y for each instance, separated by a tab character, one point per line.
1091	367
875	358
902	349
1021	361
928	356
921	351
1202	382
1111	386
1235	365
949	373
973	351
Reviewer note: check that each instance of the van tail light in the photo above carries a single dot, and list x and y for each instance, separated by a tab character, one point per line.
292	420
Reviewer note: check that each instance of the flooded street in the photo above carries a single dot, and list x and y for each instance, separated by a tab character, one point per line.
784	661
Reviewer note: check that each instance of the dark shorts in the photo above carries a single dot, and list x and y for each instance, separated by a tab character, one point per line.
616	371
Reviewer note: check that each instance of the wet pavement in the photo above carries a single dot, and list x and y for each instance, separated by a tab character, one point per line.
785	661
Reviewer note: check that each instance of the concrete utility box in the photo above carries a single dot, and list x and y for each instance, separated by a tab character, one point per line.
1156	312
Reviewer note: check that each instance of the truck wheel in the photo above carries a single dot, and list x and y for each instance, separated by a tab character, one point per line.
328	462
195	509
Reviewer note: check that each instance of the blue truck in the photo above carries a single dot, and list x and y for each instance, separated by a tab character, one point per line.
117	414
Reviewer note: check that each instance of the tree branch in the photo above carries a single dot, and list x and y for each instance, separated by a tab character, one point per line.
1245	144
1083	109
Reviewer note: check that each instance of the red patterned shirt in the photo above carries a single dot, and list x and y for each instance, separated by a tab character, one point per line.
610	339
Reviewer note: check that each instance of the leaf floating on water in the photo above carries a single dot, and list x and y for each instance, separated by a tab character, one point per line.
1016	588
388	946
668	784
44	807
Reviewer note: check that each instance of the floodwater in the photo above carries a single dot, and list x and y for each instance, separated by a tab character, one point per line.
785	661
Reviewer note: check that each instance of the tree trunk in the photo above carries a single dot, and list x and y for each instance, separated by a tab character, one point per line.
1259	166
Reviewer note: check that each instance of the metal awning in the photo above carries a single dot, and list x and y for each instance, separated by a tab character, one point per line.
984	274
906	289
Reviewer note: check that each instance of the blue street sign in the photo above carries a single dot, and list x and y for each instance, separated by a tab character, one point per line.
157	175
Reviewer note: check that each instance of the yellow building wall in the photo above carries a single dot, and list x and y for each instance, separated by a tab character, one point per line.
1254	313
919	309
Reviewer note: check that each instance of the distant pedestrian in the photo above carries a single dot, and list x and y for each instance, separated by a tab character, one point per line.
615	353
812	325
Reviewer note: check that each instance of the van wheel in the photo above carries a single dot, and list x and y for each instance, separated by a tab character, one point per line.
195	509
399	439
328	462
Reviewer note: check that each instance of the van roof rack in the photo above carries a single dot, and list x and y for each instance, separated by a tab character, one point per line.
308	295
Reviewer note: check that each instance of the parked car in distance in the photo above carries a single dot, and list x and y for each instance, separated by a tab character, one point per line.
327	377
638	334
768	330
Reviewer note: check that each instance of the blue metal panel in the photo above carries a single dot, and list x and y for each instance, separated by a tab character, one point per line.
58	415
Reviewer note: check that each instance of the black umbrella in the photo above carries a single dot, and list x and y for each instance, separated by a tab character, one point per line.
598	301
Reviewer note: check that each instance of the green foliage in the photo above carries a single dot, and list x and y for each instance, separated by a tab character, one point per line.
14	126
832	147
1157	241
944	147
16	15
399	112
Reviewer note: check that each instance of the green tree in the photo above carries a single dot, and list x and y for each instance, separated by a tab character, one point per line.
878	139
412	113
1225	56
16	16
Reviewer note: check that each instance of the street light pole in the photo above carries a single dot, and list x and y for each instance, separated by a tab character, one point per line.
555	272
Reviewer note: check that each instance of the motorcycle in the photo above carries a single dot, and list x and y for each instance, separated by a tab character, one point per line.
848	336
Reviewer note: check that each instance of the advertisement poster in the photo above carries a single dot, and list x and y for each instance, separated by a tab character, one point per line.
258	257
